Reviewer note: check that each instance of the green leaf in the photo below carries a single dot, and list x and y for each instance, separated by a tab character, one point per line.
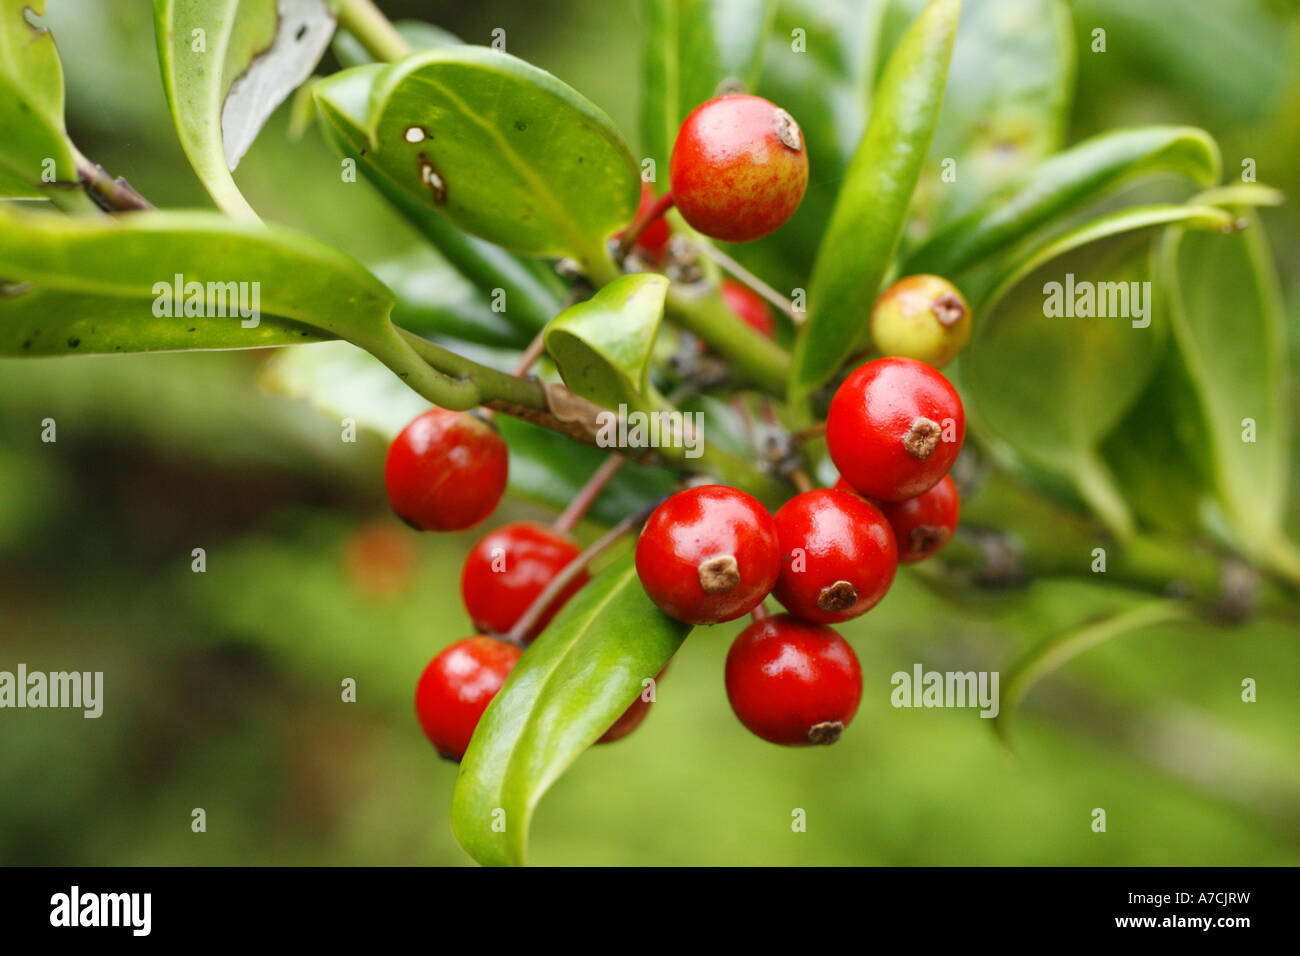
692	48
1028	344
1053	653
603	346
565	692
532	292
865	228
504	150
822	76
79	285
1006	103
31	106
433	299
226	65
1229	326
1063	184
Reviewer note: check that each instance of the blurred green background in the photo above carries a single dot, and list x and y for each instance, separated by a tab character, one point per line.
222	689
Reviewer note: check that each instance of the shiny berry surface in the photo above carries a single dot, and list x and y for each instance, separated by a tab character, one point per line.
838	556
708	554
792	682
739	168
749	305
894	429
924	524
446	471
509	568
457	686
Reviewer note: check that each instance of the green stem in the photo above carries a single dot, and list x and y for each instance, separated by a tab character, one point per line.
753	357
373	30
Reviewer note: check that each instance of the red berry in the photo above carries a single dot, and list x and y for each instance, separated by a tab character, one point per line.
793	682
507	570
894	429
838	556
457	686
653	240
446	471
924	524
632	717
739	168
708	554
749	305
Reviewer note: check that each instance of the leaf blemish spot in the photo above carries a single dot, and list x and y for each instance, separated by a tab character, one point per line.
415	134
433	179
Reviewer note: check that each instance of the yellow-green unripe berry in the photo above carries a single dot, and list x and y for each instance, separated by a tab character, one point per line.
921	317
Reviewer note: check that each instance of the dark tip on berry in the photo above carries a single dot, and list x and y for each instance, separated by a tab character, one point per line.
827	732
839	596
787	130
730	86
927	537
948	309
408	522
923	438
719	573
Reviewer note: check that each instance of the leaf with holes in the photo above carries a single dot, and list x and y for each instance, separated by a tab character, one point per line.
504	150
226	65
532	292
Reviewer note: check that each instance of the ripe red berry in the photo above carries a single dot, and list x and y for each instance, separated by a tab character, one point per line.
838	556
894	429
457	686
793	682
922	317
653	240
509	568
739	168
446	471
924	524
708	554
749	305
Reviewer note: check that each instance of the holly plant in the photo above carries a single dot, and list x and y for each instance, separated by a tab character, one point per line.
853	288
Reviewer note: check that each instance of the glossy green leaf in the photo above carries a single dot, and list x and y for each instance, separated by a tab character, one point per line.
433	299
570	686
1006	104
226	65
531	292
504	150
1228	322
82	285
34	148
1063	184
1051	654
865	228
603	346
819	65
694	48
1030	342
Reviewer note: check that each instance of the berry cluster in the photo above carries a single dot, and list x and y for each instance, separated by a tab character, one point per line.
713	553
